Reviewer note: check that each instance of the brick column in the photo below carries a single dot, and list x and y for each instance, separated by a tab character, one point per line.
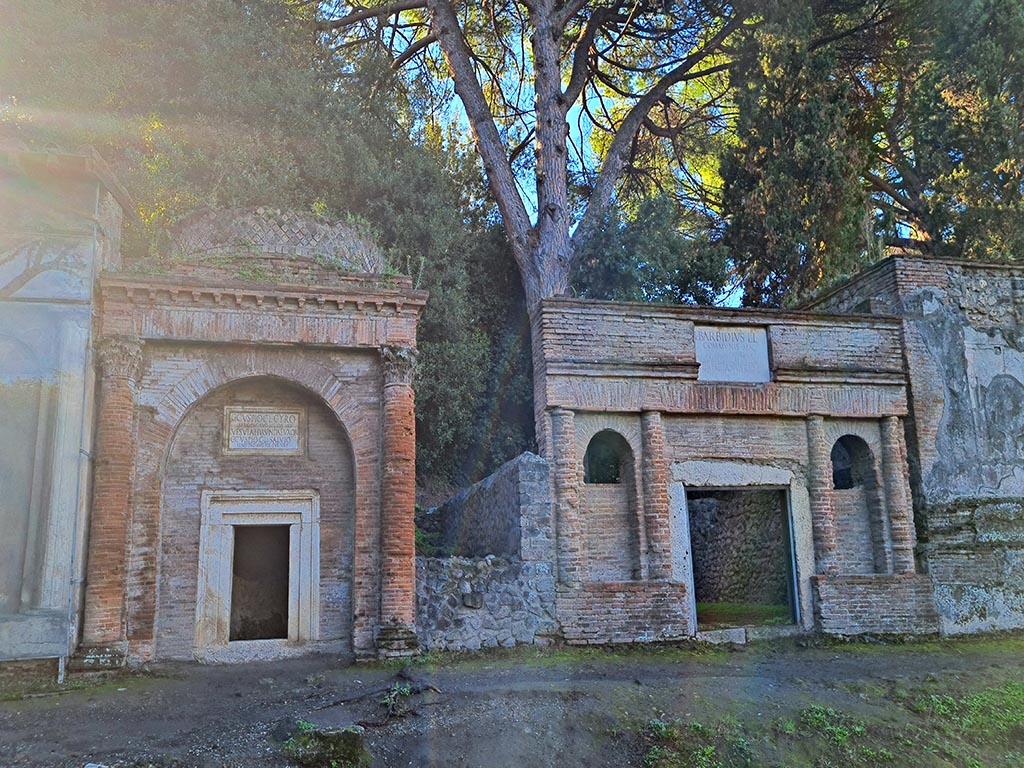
568	526
897	494
397	634
106	568
656	507
819	486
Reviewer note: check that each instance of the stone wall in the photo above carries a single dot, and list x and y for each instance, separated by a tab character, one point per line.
495	584
740	546
501	515
976	559
483	602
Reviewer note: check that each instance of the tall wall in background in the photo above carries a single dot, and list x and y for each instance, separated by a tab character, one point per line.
60	221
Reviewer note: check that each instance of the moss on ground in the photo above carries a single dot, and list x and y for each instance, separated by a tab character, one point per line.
981	727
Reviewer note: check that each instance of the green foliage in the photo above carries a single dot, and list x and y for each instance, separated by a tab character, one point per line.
396	700
223	104
792	198
427	543
944	112
651	257
992	714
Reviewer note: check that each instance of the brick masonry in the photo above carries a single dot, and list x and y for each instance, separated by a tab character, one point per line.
962	439
829	376
922	360
206	340
877	605
597	613
196	462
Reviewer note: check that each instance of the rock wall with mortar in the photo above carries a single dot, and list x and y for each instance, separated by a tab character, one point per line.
472	603
739	542
495	584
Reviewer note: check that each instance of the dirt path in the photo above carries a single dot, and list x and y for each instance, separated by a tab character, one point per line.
519	708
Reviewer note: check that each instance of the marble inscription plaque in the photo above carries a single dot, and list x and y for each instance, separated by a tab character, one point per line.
258	430
733	353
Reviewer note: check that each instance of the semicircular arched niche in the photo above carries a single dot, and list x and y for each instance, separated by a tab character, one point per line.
212	487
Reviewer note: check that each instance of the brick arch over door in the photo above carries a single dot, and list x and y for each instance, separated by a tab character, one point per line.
158	424
198	462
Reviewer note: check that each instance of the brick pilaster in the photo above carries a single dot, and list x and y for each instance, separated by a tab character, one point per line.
819	487
398	503
119	363
656	505
566	479
897	494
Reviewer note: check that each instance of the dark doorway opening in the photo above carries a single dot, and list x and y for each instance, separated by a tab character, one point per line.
742	558
259	583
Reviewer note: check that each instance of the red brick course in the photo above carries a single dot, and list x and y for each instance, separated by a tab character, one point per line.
200	337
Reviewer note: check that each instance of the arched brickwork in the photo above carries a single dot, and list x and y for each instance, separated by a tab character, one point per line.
858	501
167	400
196	462
610	512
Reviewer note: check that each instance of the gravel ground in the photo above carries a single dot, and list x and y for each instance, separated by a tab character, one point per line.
526	707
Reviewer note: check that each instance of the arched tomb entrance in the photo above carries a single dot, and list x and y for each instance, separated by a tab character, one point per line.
266	470
255	457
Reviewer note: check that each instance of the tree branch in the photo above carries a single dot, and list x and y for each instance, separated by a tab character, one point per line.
413	49
618	152
500	177
581	58
372	12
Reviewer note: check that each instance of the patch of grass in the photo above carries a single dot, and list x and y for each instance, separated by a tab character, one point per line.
675	744
989	714
981	727
711	615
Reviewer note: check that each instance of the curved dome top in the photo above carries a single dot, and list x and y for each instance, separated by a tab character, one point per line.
248	233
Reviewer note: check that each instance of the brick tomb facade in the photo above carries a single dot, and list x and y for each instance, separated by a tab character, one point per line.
706	469
251	492
255	453
646	407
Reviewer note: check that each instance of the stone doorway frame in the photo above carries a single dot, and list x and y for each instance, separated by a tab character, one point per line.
682	542
221	511
709	474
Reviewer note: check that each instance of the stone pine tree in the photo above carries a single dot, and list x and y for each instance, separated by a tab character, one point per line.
535	71
943	108
588	84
